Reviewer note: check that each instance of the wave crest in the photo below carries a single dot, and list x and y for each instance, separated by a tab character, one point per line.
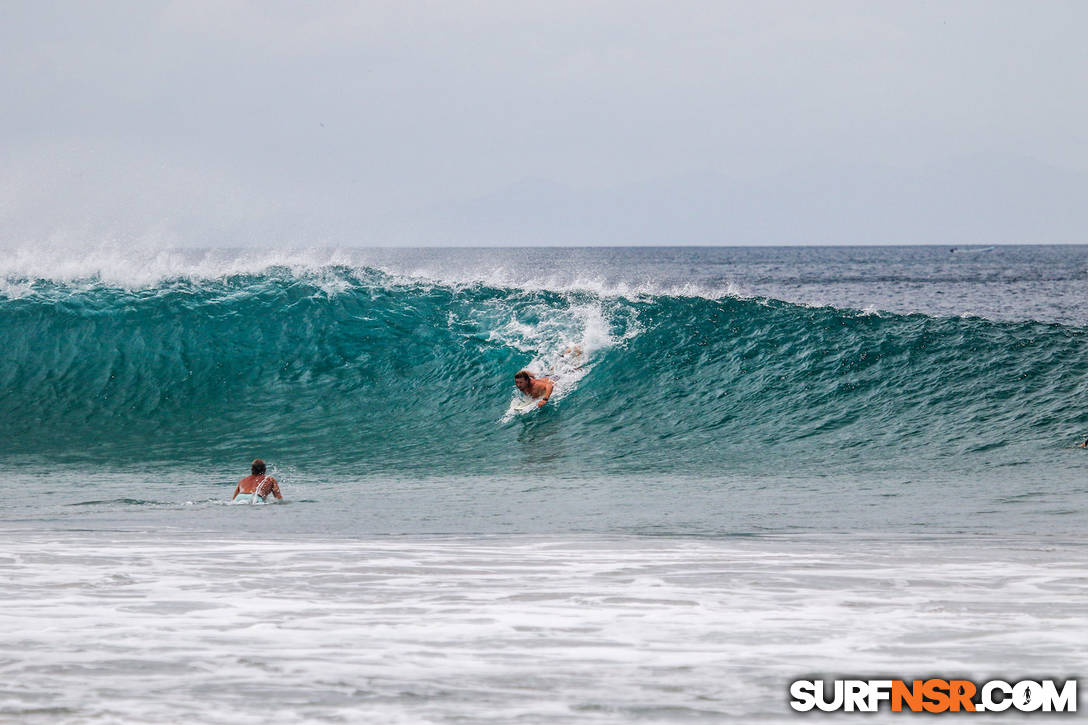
350	366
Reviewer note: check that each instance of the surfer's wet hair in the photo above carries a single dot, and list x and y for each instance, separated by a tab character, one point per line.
257	467
523	374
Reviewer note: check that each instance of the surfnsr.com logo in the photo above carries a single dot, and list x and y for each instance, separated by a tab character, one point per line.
933	695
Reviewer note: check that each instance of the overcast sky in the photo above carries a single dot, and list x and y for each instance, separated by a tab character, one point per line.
427	123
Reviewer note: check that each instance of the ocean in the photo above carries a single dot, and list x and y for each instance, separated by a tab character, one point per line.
759	465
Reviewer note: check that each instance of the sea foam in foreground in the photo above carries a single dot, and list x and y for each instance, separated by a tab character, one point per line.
769	465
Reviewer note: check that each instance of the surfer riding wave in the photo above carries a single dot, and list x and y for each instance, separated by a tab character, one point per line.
536	388
540	388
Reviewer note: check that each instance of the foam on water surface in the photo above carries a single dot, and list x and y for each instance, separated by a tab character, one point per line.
129	627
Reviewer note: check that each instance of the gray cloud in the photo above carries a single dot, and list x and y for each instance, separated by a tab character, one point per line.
206	123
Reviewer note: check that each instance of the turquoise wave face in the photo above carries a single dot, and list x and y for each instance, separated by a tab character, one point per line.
353	370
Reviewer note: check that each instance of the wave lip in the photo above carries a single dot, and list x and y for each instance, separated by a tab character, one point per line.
26	270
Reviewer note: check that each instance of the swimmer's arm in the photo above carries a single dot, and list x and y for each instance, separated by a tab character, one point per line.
276	490
236	490
547	393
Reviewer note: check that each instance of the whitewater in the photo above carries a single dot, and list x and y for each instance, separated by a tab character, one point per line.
765	463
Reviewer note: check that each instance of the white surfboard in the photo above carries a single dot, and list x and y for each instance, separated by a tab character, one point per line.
522	404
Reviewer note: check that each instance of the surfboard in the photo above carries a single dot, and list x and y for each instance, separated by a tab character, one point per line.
523	404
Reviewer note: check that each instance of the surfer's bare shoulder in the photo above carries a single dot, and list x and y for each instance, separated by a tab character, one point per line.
548	385
269	485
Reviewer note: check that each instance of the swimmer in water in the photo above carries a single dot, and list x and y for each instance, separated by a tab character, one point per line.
257	485
540	388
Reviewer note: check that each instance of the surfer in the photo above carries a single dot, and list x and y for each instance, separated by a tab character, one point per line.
537	388
257	485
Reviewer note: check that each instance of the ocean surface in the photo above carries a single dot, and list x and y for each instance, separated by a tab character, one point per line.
758	464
